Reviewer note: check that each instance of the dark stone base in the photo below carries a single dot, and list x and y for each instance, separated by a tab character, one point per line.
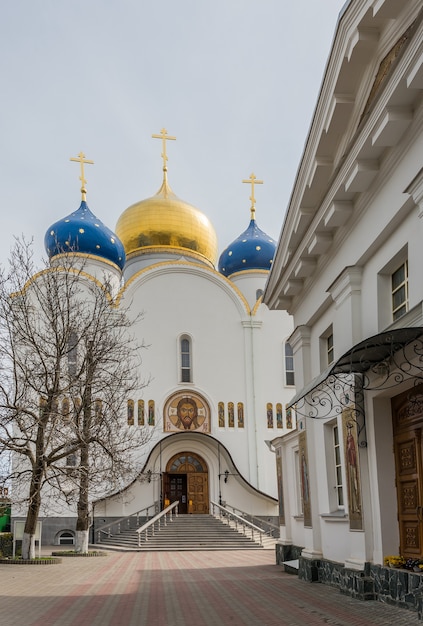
398	587
287	553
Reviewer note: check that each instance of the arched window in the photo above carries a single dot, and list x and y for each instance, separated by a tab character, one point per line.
72	353
185	352
289	365
66	538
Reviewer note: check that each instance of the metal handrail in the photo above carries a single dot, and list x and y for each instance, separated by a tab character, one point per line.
226	514
123	523
163	517
271	528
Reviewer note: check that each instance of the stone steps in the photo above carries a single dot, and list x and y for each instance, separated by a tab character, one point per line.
187	532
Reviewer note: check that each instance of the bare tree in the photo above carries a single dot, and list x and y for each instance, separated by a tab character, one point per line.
68	364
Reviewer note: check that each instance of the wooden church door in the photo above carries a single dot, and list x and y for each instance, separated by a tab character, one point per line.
408	424
186	480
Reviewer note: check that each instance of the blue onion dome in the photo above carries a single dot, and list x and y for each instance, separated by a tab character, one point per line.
252	250
82	232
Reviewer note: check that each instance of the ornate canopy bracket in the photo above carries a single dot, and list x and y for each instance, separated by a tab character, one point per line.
381	362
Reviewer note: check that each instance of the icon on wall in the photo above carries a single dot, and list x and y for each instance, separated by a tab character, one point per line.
186	411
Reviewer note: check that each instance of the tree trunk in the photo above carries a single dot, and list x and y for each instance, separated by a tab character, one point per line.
83	519
28	541
81	545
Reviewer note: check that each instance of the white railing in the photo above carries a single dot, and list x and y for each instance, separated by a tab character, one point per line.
271	530
124	523
157	522
240	524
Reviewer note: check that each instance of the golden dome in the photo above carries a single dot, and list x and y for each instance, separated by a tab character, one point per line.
164	223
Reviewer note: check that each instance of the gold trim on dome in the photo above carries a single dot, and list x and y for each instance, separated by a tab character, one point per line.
162	264
83	255
243	272
164	250
71	270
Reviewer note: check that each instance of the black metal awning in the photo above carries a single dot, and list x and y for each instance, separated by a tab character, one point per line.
368	354
377	349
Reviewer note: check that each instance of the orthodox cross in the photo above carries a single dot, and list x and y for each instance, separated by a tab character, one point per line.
253	181
164	137
82	160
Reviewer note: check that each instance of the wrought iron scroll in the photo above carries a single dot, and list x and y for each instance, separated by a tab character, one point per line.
379	363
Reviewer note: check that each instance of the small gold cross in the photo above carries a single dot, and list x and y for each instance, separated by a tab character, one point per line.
164	137
253	181
82	160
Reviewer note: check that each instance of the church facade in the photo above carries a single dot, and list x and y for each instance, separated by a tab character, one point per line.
218	365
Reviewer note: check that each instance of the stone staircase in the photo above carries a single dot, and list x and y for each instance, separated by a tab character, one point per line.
188	532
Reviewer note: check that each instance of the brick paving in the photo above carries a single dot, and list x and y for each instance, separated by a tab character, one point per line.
240	588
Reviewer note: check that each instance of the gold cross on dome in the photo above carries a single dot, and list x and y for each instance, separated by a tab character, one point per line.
253	181
164	137
82	160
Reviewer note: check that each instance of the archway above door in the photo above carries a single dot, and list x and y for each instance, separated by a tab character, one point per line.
186	480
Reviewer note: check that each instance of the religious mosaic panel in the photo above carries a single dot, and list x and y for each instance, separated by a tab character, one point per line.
221	413
186	411
140	412
352	469
305	478
279	417
288	413
269	414
151	413
280	488
240	415
231	415
130	413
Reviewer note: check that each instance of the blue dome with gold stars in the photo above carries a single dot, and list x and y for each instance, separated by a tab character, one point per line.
252	250
82	232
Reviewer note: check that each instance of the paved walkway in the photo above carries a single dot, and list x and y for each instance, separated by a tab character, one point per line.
243	588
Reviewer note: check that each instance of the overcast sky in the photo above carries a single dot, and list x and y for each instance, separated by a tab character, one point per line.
236	81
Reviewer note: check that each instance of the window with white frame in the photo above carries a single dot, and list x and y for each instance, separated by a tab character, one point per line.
327	347
289	365
185	359
339	487
334	465
399	285
393	289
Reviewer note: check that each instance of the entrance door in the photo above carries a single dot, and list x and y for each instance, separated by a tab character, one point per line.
176	489
186	480
408	425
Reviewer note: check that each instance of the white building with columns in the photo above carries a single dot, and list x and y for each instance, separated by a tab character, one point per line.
348	269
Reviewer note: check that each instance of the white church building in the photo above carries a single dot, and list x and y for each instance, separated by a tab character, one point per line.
348	268
219	367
